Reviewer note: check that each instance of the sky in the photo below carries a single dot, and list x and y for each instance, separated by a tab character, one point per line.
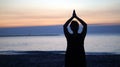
14	13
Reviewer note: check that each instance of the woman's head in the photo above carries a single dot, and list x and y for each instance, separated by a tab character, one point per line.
74	26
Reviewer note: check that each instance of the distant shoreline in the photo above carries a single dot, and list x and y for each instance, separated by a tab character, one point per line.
56	30
54	52
56	34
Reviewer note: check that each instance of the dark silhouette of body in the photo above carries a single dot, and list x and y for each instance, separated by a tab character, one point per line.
75	53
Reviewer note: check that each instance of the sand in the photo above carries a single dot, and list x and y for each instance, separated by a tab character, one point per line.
54	59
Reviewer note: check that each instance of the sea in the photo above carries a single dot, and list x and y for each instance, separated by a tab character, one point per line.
108	43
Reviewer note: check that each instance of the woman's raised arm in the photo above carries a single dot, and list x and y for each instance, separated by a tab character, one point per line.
66	32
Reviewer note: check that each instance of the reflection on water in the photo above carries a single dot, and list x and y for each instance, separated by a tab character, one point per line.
93	43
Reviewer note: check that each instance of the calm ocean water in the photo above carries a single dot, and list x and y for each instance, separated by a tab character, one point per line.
93	43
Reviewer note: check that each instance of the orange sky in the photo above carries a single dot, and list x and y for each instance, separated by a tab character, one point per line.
54	12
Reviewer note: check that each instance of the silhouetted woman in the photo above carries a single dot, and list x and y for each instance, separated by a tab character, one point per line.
75	53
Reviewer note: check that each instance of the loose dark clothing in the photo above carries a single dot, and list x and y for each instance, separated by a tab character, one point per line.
75	53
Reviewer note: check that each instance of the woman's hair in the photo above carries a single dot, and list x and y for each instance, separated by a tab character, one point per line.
74	26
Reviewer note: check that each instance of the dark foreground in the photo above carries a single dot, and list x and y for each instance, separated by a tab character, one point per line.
54	59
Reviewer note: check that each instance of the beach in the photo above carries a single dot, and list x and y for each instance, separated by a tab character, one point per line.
54	59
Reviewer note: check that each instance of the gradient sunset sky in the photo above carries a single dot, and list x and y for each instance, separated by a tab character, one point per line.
15	13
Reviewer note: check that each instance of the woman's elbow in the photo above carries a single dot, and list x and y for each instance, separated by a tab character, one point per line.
64	26
85	24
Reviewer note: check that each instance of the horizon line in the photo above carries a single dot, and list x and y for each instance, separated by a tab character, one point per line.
59	25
